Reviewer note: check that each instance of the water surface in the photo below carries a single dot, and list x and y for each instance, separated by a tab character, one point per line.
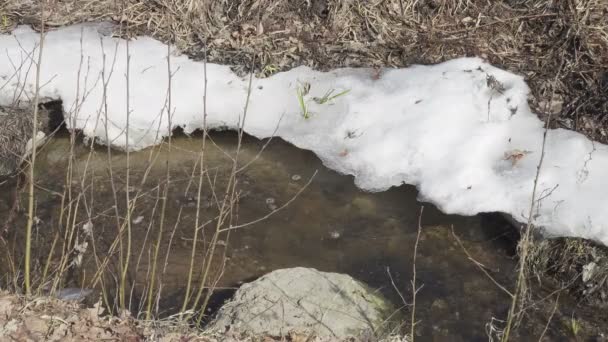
332	226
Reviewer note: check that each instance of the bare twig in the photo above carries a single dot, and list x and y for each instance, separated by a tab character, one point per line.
415	288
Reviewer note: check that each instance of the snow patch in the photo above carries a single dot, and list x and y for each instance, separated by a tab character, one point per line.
461	131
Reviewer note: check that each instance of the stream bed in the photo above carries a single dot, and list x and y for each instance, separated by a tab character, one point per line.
330	225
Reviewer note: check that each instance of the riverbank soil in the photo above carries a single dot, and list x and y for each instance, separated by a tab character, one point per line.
48	319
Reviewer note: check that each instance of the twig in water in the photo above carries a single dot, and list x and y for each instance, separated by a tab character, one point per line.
415	289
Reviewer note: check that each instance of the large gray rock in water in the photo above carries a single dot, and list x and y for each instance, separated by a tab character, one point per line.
304	300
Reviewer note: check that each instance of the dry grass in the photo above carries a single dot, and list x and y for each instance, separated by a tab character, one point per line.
558	45
574	264
15	131
50	319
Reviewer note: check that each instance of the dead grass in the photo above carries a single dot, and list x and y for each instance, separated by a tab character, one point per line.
15	131
50	319
578	265
557	45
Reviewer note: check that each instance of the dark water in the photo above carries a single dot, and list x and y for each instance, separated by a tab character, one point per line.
331	226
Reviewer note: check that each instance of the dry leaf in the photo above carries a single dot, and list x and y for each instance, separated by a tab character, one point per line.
515	155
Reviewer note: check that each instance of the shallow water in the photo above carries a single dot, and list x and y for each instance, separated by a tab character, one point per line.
331	226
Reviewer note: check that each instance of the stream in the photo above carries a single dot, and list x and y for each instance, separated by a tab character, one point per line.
331	226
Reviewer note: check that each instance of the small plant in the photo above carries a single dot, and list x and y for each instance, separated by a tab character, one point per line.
301	91
269	70
494	84
575	326
5	22
328	96
304	88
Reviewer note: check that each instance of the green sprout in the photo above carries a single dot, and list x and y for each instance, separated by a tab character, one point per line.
269	70
575	326
304	88
5	22
328	96
301	91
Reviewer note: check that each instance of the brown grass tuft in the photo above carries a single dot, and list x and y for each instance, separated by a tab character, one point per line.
577	265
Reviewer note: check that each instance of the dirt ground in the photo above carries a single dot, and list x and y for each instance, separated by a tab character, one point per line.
561	47
49	319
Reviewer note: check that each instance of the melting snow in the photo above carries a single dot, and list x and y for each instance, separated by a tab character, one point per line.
461	131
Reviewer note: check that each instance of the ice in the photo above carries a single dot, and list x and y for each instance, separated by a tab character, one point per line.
461	131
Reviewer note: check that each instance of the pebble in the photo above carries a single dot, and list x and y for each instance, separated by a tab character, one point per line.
138	220
296	178
334	234
270	202
73	294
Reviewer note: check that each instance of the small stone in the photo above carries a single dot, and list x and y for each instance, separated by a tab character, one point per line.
87	228
73	294
138	220
270	202
466	20
334	234
296	178
589	271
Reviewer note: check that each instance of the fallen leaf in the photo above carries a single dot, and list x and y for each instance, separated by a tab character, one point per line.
515	155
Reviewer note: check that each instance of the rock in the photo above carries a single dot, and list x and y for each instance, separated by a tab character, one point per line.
589	271
303	300
73	294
